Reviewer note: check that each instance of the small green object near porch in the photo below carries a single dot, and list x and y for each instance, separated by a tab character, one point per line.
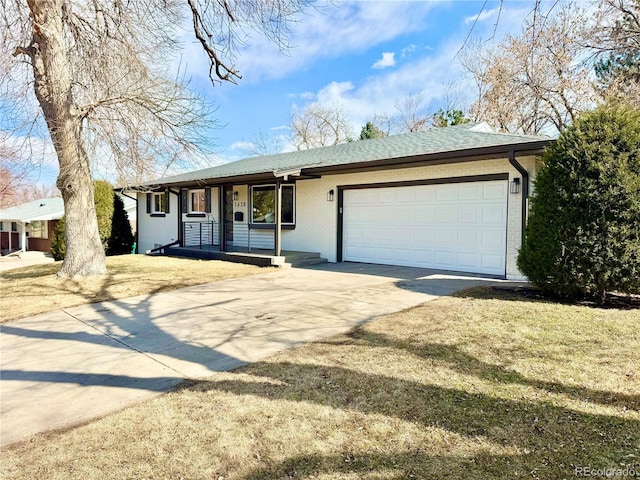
133	248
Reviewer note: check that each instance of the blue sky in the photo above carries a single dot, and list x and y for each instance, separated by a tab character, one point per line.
362	56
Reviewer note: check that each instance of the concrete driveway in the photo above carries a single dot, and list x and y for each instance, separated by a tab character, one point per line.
70	366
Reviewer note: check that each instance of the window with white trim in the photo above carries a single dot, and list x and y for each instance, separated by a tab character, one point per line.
263	204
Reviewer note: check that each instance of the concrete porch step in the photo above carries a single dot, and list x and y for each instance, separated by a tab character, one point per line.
255	257
300	259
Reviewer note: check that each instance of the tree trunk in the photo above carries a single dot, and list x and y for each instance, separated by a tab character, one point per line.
52	83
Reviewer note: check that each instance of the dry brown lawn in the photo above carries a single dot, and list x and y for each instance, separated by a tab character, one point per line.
488	385
31	290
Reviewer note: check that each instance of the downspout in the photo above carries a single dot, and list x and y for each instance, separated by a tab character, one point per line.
525	189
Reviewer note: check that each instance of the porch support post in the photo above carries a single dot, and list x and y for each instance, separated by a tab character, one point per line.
10	235
278	229
24	237
222	224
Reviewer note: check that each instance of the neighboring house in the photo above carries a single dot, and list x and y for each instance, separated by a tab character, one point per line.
30	226
451	198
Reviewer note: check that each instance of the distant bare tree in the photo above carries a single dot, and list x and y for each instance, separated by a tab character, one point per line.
262	143
616	40
535	81
410	114
99	74
319	126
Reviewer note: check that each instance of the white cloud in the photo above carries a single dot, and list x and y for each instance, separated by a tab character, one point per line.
429	76
387	60
323	33
482	15
241	145
408	50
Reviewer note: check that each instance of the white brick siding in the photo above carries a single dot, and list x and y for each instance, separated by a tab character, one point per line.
156	230
317	219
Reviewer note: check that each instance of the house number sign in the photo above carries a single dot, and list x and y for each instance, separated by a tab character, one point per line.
239	204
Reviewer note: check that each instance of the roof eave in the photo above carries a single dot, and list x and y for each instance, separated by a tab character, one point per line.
437	158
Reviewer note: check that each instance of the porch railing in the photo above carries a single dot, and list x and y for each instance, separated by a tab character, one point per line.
200	234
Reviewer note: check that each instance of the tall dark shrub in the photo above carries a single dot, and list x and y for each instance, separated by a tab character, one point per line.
583	235
121	239
103	201
103	198
59	243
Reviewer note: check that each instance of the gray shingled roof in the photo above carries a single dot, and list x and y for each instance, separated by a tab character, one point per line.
43	209
458	138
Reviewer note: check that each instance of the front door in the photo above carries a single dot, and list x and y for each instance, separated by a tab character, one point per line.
228	216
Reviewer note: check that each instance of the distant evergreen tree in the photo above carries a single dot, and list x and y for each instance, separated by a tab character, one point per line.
370	131
448	118
121	239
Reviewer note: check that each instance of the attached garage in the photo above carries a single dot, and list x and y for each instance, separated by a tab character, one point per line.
454	224
452	198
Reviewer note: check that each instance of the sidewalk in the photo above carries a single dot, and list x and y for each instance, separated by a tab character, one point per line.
65	367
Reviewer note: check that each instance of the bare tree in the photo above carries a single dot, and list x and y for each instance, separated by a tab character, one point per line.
262	143
410	114
99	72
319	126
535	81
616	41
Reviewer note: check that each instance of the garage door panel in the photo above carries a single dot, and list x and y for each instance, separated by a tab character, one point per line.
446	214
469	238
493	240
404	195
493	214
445	260
404	215
451	226
446	192
470	214
492	262
470	192
425	215
468	260
494	191
424	195
446	237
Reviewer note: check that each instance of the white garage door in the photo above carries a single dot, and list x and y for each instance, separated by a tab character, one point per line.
454	226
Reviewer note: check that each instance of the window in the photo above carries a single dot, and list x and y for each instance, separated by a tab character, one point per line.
196	201
263	204
14	227
159	203
37	229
